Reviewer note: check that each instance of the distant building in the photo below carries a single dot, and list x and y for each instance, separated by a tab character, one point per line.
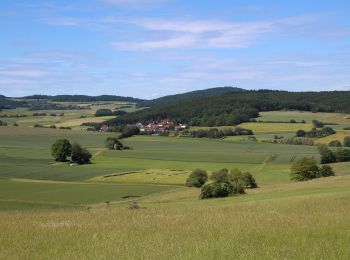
104	128
162	126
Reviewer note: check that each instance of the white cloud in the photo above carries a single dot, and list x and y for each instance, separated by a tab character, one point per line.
176	42
200	33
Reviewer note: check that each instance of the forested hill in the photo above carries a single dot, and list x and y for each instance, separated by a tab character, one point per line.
83	98
236	107
7	103
211	92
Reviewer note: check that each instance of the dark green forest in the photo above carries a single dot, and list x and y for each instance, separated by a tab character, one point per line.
83	98
236	107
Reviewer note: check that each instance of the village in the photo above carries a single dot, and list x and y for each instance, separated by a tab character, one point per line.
154	127
162	126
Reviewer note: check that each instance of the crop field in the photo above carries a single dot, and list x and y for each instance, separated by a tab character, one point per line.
71	118
339	135
68	194
275	128
286	116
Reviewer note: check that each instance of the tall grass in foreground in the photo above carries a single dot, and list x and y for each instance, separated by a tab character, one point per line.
305	227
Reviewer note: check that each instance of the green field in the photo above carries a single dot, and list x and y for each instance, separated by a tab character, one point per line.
64	207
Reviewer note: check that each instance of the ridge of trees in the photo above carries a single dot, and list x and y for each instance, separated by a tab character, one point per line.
237	107
83	98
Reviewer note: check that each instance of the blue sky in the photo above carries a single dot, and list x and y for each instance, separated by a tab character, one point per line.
151	48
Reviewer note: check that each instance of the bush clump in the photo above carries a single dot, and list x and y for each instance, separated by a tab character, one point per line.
80	155
197	178
306	169
335	143
226	184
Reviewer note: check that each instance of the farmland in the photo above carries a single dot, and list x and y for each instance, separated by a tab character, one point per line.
56	202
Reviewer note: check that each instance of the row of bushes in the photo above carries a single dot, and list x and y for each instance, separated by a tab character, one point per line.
291	140
220	133
52	127
314	132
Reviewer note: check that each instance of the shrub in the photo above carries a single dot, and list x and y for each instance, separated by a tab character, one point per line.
61	149
197	178
327	156
120	113
301	133
307	169
335	143
304	169
114	144
245	178
220	190
128	131
346	141
317	124
220	176
104	112
326	171
80	155
342	155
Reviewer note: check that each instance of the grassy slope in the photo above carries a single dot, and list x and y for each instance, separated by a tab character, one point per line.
302	221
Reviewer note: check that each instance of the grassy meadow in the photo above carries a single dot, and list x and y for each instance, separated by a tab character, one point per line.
64	207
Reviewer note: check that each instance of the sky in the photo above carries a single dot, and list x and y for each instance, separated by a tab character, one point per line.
152	48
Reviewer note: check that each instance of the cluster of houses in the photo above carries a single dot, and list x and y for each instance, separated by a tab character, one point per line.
155	127
160	127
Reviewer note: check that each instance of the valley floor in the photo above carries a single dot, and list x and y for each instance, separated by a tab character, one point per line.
52	210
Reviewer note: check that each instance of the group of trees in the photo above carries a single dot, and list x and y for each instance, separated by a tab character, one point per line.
109	112
82	98
3	123
307	169
224	183
62	149
219	133
294	141
330	156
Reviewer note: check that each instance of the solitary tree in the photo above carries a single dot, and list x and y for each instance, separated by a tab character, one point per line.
61	149
80	155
